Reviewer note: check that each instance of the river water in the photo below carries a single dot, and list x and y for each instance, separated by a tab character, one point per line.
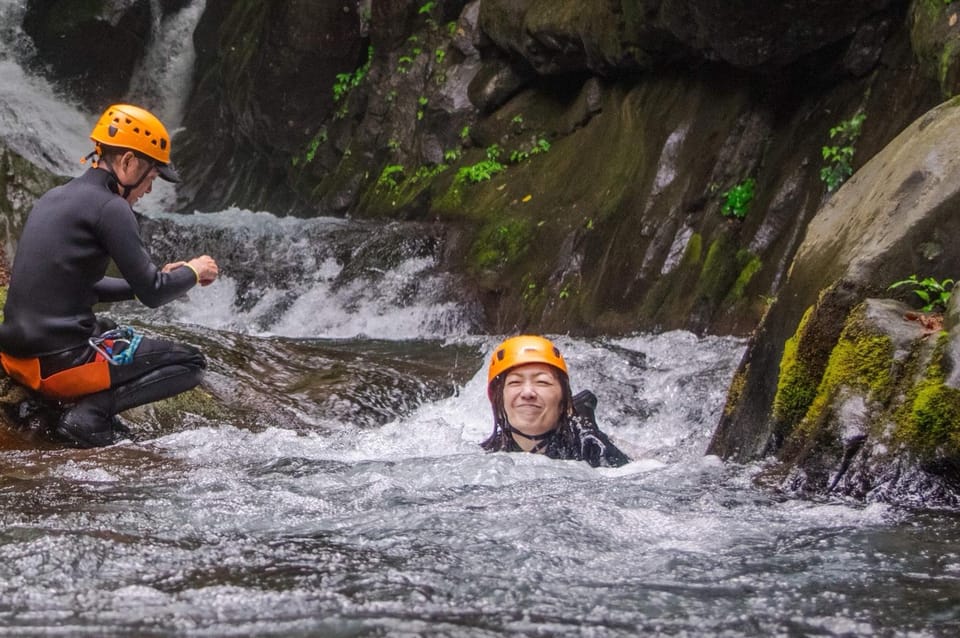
338	488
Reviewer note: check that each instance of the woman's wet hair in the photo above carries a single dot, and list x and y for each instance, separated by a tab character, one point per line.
501	439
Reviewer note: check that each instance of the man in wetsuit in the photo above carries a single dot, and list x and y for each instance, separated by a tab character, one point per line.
50	339
535	411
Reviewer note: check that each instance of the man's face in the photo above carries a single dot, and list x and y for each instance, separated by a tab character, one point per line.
146	185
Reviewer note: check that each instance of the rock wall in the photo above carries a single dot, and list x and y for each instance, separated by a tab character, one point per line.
895	218
585	150
92	48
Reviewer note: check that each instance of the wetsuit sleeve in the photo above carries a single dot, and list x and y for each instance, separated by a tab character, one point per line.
605	453
111	289
596	447
120	234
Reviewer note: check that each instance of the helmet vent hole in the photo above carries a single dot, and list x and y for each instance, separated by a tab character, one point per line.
163	144
112	130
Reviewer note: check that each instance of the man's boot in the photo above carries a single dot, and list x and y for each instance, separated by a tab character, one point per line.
86	425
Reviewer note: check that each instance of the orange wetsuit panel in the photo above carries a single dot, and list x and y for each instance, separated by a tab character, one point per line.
66	384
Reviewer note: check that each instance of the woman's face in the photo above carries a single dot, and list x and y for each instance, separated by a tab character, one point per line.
531	398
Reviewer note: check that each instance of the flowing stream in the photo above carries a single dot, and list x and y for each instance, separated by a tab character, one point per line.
333	484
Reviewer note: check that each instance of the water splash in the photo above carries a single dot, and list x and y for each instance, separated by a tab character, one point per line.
321	277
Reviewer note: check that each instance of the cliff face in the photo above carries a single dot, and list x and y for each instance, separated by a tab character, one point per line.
588	150
614	165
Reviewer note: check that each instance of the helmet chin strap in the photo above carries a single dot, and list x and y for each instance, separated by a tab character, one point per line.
532	437
124	189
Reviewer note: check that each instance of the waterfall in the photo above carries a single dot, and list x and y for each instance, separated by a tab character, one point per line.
320	277
161	82
39	123
35	120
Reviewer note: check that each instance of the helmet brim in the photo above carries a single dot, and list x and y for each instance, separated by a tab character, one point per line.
168	173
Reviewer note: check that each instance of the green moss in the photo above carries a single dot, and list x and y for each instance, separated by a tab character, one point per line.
750	265
450	202
860	361
499	243
694	251
737	386
929	420
718	271
3	300
935	415
796	386
947	64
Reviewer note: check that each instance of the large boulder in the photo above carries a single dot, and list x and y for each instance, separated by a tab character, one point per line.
896	217
883	422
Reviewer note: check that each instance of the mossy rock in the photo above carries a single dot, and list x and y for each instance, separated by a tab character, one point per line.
805	358
880	423
936	42
928	422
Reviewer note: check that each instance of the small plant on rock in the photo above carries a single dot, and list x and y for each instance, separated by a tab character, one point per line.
522	155
935	294
839	158
737	200
345	82
388	177
483	170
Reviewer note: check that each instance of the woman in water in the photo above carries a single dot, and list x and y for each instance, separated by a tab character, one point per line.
535	411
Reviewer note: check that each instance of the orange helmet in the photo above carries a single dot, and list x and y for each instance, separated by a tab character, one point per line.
517	351
137	129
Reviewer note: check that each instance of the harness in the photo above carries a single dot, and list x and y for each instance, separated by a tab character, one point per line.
114	347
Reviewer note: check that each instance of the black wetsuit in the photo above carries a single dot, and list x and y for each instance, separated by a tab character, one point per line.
67	243
578	440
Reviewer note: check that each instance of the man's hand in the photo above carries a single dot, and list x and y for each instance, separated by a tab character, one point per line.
206	269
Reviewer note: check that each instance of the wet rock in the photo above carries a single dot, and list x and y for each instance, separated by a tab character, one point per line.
92	49
496	82
951	355
880	424
563	36
26	419
266	74
936	42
